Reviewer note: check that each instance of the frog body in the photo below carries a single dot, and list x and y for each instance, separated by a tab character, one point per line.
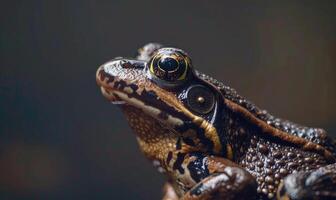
210	142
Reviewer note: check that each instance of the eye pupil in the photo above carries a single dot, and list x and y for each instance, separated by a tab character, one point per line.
168	64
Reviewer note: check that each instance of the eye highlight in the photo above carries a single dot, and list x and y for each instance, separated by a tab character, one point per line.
169	64
200	99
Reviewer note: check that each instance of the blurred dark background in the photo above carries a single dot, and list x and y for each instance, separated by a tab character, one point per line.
60	139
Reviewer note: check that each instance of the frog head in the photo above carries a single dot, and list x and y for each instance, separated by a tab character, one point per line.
165	91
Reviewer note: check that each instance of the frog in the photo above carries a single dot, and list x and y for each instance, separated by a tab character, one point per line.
209	141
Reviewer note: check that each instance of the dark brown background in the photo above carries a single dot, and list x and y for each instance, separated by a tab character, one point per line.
60	139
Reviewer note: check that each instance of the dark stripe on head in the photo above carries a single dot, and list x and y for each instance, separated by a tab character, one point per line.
151	99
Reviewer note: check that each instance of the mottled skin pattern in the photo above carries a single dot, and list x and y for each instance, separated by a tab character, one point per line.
210	142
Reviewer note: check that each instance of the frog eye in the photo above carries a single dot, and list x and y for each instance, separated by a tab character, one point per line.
169	64
200	99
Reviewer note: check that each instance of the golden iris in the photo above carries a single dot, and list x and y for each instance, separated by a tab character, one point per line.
169	64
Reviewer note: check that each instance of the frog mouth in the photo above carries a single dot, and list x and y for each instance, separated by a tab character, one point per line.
120	97
112	97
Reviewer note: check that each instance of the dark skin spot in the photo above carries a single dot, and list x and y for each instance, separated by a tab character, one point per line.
199	132
189	141
169	157
178	144
197	190
126	65
103	75
178	163
134	87
263	149
198	169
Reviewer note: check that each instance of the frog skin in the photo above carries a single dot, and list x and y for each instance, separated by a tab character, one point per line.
209	141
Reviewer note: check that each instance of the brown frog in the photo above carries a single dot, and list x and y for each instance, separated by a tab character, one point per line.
210	142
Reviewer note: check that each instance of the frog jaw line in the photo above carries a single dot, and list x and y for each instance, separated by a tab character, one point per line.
150	110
